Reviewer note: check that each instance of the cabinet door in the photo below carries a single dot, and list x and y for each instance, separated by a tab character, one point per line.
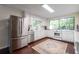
24	42
50	33
42	33
39	34
36	35
68	35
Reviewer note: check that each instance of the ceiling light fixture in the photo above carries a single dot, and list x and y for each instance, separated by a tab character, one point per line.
48	8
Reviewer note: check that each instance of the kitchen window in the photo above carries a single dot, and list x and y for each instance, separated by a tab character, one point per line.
36	24
63	24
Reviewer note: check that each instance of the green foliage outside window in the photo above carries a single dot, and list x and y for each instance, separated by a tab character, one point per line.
35	24
54	24
67	23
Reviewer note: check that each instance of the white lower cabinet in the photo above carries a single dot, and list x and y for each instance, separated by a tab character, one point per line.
38	34
30	38
24	41
68	35
50	33
65	35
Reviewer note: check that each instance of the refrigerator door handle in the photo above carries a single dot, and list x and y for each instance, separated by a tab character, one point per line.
20	37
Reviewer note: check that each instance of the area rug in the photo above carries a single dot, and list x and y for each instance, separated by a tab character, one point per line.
51	47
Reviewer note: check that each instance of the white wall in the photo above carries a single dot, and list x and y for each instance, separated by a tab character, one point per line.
5	13
76	33
25	24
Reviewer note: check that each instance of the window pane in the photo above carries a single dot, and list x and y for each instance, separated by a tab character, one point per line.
35	23
63	24
54	24
72	23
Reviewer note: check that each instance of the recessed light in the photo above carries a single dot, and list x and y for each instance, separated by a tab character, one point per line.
48	8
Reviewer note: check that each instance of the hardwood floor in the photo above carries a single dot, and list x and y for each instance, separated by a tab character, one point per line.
28	49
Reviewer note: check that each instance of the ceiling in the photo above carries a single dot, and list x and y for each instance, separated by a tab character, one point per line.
36	9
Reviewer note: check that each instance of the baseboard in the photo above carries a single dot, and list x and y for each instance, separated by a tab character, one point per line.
4	50
3	47
61	40
53	39
37	40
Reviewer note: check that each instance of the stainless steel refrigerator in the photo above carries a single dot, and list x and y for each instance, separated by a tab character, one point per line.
17	39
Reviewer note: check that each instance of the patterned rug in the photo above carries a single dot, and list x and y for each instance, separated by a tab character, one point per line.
51	47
